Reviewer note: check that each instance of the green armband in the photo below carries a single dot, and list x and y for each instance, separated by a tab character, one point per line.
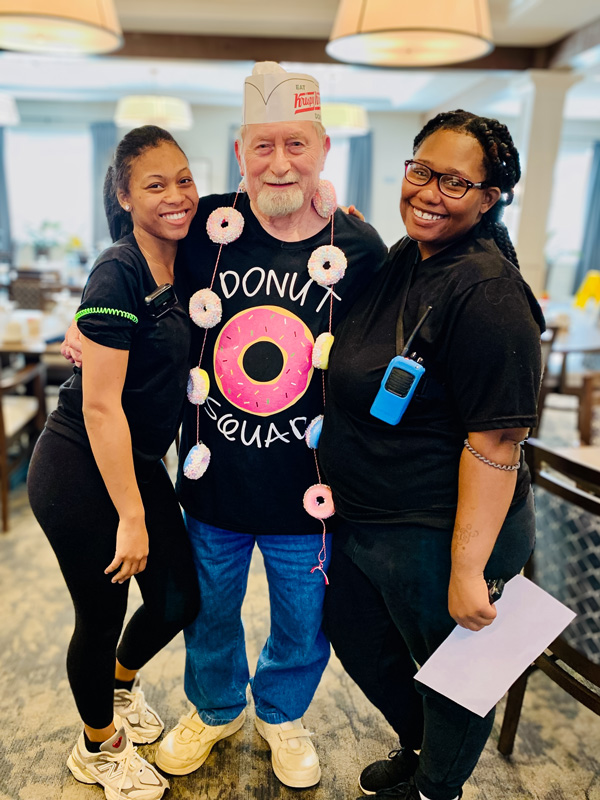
98	310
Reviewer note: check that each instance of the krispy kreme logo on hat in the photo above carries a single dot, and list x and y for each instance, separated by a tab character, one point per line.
306	101
271	94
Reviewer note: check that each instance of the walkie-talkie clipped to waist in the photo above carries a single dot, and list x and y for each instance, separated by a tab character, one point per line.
399	382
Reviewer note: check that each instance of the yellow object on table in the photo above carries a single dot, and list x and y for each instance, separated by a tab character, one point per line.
590	288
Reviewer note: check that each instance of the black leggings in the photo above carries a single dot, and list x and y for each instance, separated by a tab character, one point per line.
71	503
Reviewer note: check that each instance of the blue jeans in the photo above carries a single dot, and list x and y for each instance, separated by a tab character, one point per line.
295	654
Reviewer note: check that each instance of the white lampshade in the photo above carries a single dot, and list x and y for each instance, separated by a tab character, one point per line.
9	113
171	113
344	119
409	33
59	26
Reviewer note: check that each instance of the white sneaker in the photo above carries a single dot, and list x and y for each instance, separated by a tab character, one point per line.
118	768
188	745
141	722
293	755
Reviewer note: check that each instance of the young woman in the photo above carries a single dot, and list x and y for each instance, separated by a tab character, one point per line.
435	505
96	482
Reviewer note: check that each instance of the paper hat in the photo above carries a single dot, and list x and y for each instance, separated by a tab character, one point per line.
273	95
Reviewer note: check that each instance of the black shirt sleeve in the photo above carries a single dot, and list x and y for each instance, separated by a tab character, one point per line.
109	311
493	357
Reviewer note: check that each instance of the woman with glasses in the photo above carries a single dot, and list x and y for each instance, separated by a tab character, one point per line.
430	486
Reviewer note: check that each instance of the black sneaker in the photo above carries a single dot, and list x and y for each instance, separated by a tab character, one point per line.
402	791
397	768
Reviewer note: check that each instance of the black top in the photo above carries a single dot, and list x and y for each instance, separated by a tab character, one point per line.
481	350
158	367
260	465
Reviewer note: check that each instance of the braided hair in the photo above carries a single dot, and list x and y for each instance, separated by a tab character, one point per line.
131	146
500	160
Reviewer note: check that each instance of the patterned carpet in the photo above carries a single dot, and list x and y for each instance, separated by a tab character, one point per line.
557	752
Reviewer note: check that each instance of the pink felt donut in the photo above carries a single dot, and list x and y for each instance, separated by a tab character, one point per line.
205	308
196	462
324	200
224	225
263	324
198	386
318	501
321	350
327	275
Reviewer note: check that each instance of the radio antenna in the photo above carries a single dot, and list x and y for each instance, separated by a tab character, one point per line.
416	330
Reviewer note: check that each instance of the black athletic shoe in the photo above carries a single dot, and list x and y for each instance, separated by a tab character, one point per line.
402	791
398	767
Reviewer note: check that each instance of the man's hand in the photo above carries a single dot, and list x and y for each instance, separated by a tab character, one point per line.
71	346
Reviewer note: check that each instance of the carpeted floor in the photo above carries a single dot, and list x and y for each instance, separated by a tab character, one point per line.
557	753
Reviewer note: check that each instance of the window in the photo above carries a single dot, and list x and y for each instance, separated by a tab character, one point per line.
49	180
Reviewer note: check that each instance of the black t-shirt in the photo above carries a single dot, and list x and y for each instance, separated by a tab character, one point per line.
480	347
260	465
115	315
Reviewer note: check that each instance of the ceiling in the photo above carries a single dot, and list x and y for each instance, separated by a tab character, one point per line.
526	32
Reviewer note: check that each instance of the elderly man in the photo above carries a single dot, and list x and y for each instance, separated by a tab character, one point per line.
254	392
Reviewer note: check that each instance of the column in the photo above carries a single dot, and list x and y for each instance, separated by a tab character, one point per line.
544	93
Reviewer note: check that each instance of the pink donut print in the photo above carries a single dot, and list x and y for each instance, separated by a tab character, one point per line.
264	324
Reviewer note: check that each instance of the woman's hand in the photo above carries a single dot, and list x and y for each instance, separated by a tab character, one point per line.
469	603
353	212
131	553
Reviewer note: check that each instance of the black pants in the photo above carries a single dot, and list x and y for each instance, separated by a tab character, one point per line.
70	501
386	608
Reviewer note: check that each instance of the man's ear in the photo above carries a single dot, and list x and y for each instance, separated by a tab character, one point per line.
238	155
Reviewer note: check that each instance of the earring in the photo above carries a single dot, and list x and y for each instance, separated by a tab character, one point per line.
242	185
127	207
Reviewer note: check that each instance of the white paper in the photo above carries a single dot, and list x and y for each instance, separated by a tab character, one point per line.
476	668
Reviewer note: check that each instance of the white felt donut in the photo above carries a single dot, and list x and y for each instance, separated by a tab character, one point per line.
196	462
224	225
327	275
205	308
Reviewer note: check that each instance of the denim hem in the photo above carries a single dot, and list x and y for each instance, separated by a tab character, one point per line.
214	722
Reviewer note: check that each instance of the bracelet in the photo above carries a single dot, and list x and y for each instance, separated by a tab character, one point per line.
505	467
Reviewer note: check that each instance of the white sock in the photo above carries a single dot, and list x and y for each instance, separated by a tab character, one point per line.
426	798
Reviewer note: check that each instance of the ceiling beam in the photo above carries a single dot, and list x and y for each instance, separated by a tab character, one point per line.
580	48
245	48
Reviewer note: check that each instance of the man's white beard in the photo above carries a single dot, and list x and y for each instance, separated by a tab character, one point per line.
280	202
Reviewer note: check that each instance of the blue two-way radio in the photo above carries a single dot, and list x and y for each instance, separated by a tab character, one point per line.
399	382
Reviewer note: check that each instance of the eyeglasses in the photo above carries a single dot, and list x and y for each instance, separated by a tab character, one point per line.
451	185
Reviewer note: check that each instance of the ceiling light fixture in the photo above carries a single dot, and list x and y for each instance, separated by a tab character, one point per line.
71	27
344	119
405	33
171	113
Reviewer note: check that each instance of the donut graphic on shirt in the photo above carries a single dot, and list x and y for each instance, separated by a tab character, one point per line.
263	360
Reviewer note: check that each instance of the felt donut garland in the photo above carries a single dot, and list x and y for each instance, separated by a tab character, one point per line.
326	266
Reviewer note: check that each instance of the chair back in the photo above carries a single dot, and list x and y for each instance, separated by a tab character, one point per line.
566	559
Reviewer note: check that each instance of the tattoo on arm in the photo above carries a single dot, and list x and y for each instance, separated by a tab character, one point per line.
463	535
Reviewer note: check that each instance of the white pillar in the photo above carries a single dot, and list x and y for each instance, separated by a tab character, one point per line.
544	93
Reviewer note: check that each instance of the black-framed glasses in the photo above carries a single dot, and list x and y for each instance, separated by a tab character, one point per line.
451	185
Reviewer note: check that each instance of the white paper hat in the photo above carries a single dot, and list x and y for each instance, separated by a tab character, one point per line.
273	95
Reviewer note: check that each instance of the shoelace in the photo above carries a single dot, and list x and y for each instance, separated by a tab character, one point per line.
130	759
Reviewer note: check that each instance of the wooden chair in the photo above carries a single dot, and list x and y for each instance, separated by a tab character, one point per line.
566	562
23	407
550	381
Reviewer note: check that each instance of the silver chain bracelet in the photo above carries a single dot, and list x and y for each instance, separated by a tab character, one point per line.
505	467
